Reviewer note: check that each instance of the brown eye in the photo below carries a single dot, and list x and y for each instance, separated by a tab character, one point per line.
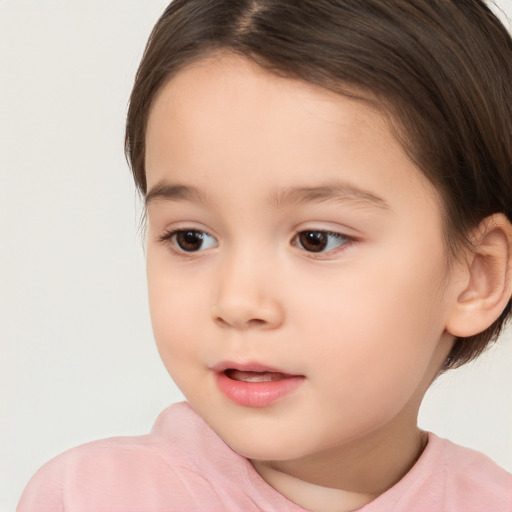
320	241
313	241
192	241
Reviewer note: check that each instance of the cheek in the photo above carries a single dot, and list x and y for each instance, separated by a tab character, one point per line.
174	306
377	327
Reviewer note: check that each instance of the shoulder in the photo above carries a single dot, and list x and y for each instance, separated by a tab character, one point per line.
125	473
449	478
473	478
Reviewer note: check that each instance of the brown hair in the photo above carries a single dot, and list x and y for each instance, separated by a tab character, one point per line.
441	68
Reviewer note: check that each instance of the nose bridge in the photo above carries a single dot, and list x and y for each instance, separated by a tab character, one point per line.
246	293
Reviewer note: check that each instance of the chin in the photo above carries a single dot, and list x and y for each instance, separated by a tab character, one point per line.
266	444
264	451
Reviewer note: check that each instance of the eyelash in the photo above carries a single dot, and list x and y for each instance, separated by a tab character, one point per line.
339	237
169	239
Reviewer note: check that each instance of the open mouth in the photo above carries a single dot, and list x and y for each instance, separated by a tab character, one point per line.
255	385
250	376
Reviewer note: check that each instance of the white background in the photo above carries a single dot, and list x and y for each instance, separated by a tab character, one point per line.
77	359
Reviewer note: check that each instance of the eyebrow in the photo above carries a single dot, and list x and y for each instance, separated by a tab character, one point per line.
340	192
169	192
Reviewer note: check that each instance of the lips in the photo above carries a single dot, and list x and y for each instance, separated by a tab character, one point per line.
245	376
254	384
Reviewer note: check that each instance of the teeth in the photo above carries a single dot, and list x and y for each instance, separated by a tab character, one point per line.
255	376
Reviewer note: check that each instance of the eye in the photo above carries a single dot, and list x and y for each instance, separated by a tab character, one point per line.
320	241
190	240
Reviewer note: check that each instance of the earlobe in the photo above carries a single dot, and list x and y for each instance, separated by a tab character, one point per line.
488	279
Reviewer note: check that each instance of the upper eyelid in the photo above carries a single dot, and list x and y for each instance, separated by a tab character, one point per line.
327	231
172	231
167	232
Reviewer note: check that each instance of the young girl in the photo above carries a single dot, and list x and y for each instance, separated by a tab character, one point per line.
328	188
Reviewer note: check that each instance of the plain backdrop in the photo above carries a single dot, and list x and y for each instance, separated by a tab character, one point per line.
77	358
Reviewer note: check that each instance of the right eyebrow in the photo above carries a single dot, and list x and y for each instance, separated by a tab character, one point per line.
169	192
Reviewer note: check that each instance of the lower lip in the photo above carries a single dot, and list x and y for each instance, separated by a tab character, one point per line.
257	394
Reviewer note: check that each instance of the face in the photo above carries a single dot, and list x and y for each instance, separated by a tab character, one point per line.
296	268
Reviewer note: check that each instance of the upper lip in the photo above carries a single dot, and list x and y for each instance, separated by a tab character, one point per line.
249	366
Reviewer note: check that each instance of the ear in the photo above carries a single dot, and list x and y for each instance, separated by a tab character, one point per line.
486	284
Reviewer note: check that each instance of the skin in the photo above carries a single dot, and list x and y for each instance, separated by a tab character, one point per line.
364	321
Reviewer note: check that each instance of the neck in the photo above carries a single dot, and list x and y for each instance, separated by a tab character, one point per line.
350	476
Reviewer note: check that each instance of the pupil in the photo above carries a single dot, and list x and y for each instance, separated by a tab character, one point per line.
189	240
314	241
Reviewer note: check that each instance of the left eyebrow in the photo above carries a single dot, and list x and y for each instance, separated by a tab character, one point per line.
338	192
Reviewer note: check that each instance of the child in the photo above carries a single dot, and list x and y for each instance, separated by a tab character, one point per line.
328	189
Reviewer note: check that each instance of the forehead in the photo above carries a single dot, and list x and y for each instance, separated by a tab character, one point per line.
225	114
224	83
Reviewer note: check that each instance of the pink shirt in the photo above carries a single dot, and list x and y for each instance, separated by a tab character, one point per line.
182	465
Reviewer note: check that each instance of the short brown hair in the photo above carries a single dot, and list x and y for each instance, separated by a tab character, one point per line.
441	68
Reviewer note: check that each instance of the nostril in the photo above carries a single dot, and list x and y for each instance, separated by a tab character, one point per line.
219	320
255	322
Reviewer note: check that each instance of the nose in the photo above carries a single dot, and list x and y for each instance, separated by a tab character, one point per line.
247	295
